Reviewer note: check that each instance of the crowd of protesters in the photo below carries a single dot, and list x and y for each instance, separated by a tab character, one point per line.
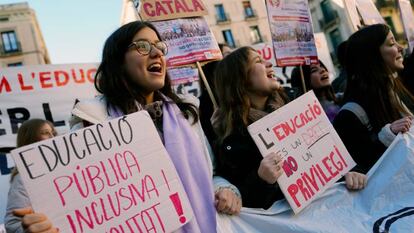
373	103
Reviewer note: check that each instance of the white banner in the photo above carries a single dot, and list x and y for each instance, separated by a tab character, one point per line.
115	176
313	155
369	12
407	18
292	32
6	166
43	91
385	205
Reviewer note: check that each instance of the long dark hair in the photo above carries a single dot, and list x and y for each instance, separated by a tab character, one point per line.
296	82
113	81
231	83
370	81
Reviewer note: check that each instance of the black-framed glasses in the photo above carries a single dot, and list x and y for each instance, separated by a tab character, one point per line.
144	47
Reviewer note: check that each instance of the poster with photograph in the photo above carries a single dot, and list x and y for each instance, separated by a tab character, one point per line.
189	40
292	32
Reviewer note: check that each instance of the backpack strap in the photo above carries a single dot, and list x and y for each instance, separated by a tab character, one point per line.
359	112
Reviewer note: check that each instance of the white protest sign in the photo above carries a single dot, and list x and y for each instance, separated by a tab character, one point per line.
323	53
6	166
314	157
369	12
110	177
292	32
351	9
189	40
41	91
407	18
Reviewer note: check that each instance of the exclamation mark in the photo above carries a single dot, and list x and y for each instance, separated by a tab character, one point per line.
177	204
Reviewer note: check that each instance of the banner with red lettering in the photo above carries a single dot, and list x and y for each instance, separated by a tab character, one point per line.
189	40
407	18
292	32
41	91
115	176
155	10
314	157
369	12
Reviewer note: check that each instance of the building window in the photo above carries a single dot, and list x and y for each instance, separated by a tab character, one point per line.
248	10
15	64
221	14
327	11
10	43
228	37
255	35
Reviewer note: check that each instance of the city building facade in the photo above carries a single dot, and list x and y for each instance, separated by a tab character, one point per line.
21	40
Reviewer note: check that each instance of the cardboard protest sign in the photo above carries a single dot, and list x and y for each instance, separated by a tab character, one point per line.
189	40
369	12
156	10
41	91
407	18
314	157
115	176
351	9
292	32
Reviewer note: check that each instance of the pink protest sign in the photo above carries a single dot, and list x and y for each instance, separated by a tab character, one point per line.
110	177
314	157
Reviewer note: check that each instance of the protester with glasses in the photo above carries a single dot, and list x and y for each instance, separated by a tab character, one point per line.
132	77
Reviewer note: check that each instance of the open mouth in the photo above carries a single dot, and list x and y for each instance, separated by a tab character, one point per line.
155	68
325	77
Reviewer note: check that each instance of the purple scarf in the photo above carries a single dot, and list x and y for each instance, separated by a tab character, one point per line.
187	154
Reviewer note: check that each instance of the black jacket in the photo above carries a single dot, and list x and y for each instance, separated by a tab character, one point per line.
363	145
238	161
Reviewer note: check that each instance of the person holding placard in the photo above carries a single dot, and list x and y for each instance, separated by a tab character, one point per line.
30	131
378	106
246	91
132	77
316	78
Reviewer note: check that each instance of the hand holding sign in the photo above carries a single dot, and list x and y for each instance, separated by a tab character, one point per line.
270	168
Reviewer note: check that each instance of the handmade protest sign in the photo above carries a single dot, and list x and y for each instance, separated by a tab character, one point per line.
189	40
115	176
369	12
313	155
155	10
407	18
42	91
292	32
